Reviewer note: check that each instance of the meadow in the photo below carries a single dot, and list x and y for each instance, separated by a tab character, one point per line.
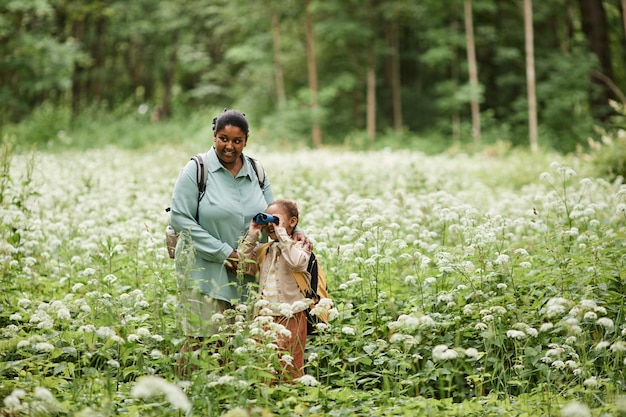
462	285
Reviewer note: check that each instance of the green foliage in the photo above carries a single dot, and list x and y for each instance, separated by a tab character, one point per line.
608	155
189	56
127	126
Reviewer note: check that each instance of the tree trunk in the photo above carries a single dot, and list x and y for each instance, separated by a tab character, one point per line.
312	70
394	73
98	72
473	71
278	68
624	15
168	80
530	74
79	70
594	25
454	75
371	96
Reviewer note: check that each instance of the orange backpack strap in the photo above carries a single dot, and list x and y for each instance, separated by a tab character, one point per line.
305	288
262	252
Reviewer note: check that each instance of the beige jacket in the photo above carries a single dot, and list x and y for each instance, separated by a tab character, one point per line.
290	257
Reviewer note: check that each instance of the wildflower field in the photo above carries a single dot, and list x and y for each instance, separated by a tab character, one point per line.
463	285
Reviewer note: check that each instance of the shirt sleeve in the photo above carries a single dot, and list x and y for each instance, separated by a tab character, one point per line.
248	252
292	252
183	217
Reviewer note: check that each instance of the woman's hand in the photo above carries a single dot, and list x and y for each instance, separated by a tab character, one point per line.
232	262
306	243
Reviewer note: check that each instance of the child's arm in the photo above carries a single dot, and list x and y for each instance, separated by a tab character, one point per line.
247	249
292	251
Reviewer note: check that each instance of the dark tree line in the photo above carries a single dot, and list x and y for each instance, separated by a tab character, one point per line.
322	69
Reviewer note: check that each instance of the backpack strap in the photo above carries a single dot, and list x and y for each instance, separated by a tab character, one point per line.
258	170
201	175
305	289
262	252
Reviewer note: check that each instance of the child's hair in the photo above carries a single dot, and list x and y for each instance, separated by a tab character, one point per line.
289	205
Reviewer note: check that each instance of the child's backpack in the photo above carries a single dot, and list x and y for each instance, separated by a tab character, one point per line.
171	237
316	291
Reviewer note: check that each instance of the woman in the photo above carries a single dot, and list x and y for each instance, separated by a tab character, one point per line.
233	196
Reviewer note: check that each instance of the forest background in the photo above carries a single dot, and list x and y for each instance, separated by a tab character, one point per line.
426	75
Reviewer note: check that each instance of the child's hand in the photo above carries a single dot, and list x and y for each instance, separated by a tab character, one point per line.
255	227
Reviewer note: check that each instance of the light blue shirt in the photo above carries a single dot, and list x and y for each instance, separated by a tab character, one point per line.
225	213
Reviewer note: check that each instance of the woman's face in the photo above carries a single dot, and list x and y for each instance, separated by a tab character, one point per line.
229	143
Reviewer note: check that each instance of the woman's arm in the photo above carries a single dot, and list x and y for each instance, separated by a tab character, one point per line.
183	217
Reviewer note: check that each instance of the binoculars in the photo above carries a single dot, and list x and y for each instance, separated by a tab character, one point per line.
264	218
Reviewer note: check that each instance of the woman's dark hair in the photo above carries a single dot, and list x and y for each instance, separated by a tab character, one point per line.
290	206
233	118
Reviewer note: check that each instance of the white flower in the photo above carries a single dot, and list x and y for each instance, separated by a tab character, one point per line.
619	346
591	382
109	279
326	303
15	317
575	409
606	322
515	334
217	318
23	302
531	331
288	359
602	345
502	259
105	332
156	354
44	347
12	401
148	386
590	315
143	332
63	314
44	394
521	251
471	353
321	327
480	326
348	330
113	363
556	306
307	380
442	353
87	272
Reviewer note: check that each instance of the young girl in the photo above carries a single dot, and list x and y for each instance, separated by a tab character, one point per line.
277	283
